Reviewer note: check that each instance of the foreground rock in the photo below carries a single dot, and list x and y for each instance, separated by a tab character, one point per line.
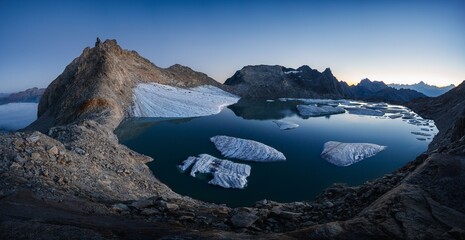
345	154
245	149
225	173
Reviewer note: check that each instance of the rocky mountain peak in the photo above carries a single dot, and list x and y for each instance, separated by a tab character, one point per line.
100	82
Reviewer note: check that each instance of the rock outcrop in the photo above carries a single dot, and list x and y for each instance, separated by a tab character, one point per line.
74	180
264	81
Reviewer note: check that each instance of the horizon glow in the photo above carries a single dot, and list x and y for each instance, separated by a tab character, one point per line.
391	41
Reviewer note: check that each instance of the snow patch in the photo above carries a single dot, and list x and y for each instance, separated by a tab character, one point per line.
157	100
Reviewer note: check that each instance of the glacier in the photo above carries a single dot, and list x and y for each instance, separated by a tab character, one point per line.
285	125
345	154
245	149
315	111
158	100
225	173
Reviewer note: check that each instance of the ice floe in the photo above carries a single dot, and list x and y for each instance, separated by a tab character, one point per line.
157	100
225	173
245	149
285	125
315	111
421	134
345	154
364	111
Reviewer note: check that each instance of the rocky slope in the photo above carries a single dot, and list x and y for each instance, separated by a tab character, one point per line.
428	90
272	82
28	95
76	181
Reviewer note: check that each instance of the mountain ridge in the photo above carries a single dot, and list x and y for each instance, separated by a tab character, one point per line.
275	81
428	90
29	95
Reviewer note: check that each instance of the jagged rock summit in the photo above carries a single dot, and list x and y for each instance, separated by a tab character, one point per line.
265	81
428	90
100	83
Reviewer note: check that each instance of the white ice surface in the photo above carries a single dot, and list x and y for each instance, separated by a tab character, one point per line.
364	111
225	173
345	154
245	149
285	125
157	100
315	111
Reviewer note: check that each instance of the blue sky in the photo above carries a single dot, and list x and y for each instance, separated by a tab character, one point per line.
392	41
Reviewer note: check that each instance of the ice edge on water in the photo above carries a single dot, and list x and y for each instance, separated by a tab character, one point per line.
225	173
245	149
157	100
345	154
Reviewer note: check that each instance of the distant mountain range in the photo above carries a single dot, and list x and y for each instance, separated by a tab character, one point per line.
428	90
265	81
29	95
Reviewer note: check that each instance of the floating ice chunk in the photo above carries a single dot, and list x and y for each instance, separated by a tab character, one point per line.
364	111
315	111
345	154
244	149
408	116
421	134
225	173
269	100
379	106
394	116
285	125
157	100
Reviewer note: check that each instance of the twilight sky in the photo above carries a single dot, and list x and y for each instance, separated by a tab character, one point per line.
392	41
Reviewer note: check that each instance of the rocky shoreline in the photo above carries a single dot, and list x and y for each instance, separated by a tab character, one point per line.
68	177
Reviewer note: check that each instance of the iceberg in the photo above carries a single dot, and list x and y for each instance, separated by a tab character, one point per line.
285	125
157	100
315	111
245	149
421	134
225	173
394	116
364	111
345	154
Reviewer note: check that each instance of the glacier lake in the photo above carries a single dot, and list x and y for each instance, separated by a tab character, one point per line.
305	174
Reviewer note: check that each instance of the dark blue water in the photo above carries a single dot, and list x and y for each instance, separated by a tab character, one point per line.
302	177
